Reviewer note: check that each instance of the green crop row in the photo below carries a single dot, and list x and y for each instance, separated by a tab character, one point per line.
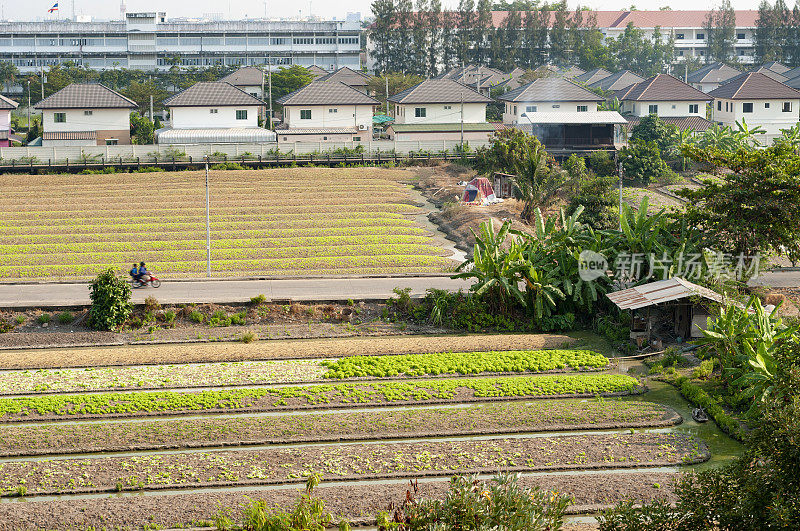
324	264
217	244
225	254
418	391
345	227
463	363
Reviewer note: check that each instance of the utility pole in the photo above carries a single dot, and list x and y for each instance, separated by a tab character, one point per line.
262	89
43	82
29	107
208	226
269	74
152	118
462	123
386	78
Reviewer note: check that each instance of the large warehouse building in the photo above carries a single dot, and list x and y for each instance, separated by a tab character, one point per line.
149	41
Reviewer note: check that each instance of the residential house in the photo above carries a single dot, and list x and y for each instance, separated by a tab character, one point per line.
481	78
249	79
592	76
776	67
617	81
562	114
436	109
317	71
711	76
213	112
668	97
572	72
326	111
759	100
777	76
791	74
6	106
351	78
86	114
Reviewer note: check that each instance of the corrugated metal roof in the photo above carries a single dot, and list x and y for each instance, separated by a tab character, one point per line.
574	117
660	291
441	128
215	136
69	135
317	131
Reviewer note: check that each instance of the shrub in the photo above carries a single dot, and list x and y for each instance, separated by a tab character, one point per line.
248	337
658	515
169	317
66	317
694	394
703	372
197	317
111	301
258	299
5	326
44	318
151	304
601	163
219	318
239	319
20	319
227	166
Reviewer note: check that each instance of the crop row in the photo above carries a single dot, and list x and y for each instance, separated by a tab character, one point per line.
322	264
217	244
194	432
282	465
333	227
445	390
273	372
228	254
463	363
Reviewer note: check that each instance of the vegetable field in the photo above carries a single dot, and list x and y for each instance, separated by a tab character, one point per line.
301	221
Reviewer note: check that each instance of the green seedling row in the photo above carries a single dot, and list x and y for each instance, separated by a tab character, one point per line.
316	395
463	363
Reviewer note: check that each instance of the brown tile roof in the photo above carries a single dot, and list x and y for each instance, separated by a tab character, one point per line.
212	94
550	89
69	135
347	76
713	73
327	93
86	96
754	86
662	87
249	76
592	76
771	74
617	81
698	123
572	72
7	103
439	91
775	66
317	71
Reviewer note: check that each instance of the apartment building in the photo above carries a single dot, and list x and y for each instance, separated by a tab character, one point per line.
150	41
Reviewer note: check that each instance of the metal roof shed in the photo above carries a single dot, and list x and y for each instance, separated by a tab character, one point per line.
243	135
672	289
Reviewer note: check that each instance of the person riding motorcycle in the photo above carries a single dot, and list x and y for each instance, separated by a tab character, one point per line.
134	273
144	275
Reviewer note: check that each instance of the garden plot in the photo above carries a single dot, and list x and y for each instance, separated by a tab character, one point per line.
656	201
295	371
303	221
475	419
455	390
352	461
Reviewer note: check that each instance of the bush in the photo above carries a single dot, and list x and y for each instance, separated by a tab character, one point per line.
703	372
694	394
5	326
66	317
258	299
596	196
20	319
227	166
151	304
601	163
44	318
658	515
642	162
111	301
197	317
239	319
248	337
219	318
169	317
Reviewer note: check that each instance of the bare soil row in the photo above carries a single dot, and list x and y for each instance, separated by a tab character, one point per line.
538	416
356	503
349	462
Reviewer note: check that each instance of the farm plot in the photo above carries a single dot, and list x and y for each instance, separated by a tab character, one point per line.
656	200
295	371
353	461
304	221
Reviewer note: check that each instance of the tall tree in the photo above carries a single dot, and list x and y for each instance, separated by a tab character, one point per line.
484	31
404	30
382	34
720	30
766	39
450	39
421	38
559	42
466	30
536	23
436	23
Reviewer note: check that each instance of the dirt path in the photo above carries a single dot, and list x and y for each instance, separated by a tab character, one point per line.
272	350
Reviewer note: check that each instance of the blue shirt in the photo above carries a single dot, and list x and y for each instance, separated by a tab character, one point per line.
142	270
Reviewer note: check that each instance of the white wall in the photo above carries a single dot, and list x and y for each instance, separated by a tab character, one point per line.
203	118
329	116
5	119
771	118
78	120
513	111
441	113
665	108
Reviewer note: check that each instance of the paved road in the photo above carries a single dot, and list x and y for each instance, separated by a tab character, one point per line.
225	291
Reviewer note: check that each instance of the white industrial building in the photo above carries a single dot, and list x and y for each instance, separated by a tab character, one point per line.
149	41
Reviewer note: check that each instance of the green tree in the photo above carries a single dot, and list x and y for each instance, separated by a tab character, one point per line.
466	30
535	32
421	38
287	80
559	42
8	74
597	199
653	128
397	83
403	42
642	162
435	21
754	206
111	301
141	129
720	29
484	32
381	34
140	92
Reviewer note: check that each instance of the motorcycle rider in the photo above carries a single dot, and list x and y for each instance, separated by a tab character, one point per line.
134	273
144	275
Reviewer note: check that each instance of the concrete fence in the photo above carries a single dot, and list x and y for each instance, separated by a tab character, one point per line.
149	153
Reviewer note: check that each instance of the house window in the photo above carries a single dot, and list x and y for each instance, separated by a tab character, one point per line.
241	114
60	117
740	36
87	113
652	109
530	108
694	109
420	112
787	106
356	139
583	108
213	111
332	111
726	106
719	105
701	53
324	138
112	141
515	109
556	106
701	36
766	105
305	114
448	107
678	36
680	53
747	107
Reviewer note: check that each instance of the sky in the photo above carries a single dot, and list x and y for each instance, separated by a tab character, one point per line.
238	9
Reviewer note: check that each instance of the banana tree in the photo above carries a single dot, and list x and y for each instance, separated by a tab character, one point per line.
681	138
745	136
541	291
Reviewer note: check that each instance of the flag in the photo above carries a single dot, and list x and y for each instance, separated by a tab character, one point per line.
54	8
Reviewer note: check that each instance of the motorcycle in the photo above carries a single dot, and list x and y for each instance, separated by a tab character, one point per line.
153	282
